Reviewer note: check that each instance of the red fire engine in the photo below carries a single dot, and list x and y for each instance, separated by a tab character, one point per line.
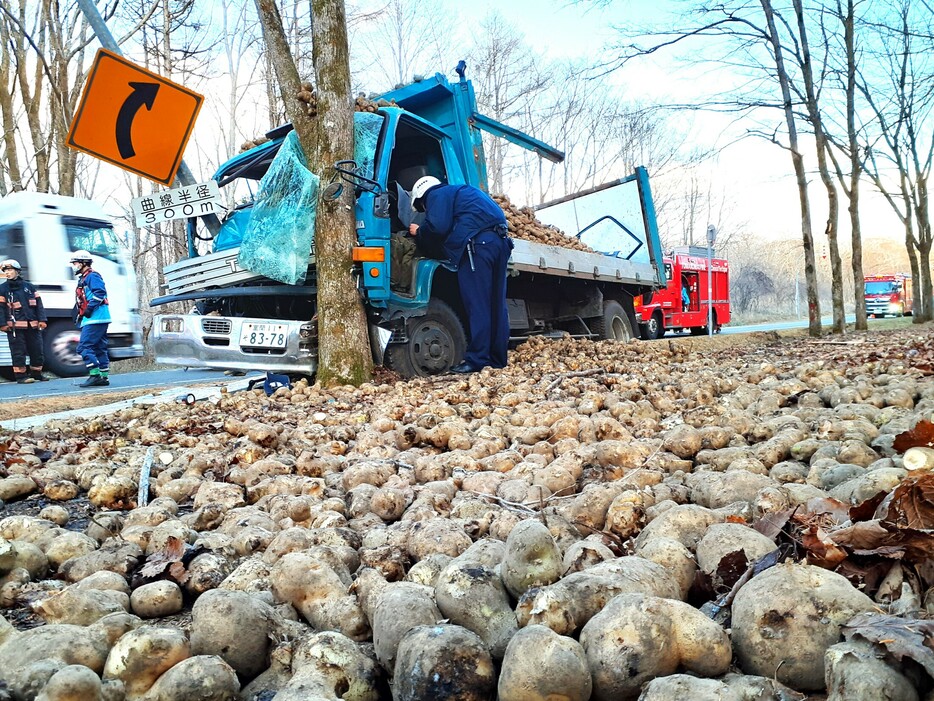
684	302
888	294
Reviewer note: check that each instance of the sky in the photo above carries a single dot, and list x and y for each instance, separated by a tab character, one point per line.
756	175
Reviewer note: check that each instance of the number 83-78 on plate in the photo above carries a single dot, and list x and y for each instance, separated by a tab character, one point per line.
263	335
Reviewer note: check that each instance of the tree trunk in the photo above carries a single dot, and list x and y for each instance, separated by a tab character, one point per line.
856	169
807	236
833	201
343	345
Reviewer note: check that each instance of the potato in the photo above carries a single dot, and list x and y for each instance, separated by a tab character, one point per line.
81	607
157	599
724	538
675	558
72	683
140	657
88	646
785	619
401	607
684	686
473	596
855	671
330	666
532	558
201	678
319	594
443	662
234	626
570	602
685	523
583	554
637	637
540	664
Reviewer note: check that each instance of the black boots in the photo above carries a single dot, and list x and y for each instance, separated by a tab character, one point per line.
95	381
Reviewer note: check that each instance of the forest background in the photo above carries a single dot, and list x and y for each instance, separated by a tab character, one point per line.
688	89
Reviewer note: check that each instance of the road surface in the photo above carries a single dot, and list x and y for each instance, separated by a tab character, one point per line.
124	382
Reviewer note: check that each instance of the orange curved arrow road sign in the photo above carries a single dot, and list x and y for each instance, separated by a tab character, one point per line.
134	118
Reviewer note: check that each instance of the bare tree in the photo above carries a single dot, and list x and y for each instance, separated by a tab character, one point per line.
509	78
343	347
902	103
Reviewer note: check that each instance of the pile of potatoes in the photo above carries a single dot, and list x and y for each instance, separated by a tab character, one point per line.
519	534
523	224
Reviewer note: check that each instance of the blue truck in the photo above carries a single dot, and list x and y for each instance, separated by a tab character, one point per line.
244	320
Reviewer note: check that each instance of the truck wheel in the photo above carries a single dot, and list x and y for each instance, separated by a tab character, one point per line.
436	343
654	328
60	346
614	324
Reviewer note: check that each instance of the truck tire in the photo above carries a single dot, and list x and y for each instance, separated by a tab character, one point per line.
60	342
437	343
654	328
614	325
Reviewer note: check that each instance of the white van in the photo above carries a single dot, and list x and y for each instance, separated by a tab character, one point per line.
41	231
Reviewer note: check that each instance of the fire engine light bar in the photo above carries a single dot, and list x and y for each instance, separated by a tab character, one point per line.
369	254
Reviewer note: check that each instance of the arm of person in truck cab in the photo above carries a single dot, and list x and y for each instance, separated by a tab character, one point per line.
439	213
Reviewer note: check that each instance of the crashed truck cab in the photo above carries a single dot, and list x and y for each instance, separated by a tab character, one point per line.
252	298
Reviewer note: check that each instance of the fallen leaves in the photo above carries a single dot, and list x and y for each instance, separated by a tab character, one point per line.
901	637
921	436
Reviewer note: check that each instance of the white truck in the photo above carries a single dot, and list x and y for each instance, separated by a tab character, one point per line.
41	231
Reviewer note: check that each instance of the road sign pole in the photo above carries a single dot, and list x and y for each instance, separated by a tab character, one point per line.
184	176
711	237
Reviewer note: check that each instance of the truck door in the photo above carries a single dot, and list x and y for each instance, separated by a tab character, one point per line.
417	149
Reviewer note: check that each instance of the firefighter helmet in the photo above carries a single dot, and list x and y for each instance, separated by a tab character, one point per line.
80	256
10	263
423	185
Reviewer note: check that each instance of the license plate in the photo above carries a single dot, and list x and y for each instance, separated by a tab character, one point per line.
263	335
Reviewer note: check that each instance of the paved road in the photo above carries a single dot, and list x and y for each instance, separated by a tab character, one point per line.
154	379
783	325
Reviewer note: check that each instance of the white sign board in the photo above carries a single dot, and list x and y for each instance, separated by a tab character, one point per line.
181	203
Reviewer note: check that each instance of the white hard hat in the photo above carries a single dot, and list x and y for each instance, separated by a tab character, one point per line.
423	185
10	263
80	256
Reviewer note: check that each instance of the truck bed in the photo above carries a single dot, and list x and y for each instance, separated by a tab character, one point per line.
221	269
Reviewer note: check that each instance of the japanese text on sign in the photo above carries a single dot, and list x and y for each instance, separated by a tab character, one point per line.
181	203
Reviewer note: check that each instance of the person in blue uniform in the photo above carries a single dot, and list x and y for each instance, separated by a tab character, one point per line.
92	315
471	231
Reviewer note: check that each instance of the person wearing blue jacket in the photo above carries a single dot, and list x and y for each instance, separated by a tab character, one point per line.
471	230
92	315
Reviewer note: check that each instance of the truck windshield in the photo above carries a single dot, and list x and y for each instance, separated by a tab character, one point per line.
92	235
881	287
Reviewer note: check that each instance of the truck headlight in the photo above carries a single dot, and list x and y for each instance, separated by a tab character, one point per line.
172	324
895	307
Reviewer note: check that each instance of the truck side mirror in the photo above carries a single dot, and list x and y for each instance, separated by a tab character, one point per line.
381	205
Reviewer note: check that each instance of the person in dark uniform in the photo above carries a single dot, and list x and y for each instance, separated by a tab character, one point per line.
92	315
473	235
23	318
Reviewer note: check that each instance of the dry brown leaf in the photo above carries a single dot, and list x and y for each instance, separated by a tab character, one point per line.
835	508
159	561
821	550
772	524
912	504
901	637
922	435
